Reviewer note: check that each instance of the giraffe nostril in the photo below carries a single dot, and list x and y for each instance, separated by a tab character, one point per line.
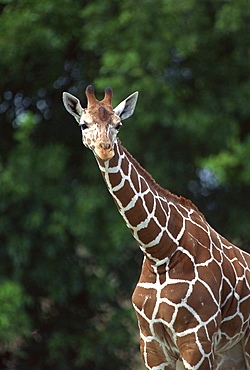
105	146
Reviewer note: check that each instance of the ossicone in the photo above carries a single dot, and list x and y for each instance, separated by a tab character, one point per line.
90	94
108	96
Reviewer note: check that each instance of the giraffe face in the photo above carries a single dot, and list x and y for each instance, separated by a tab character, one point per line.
99	122
99	127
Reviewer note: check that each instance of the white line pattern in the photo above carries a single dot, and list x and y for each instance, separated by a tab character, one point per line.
196	315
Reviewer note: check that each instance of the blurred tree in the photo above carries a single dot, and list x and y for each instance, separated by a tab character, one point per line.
14	321
72	263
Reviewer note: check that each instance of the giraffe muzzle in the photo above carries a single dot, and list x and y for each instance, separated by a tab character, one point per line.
104	151
105	146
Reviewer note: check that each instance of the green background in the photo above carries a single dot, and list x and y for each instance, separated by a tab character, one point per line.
68	264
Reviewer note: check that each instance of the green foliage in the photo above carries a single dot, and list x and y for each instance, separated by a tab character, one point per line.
51	243
232	166
14	320
68	263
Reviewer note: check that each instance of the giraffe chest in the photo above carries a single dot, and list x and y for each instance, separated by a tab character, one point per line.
154	322
169	302
158	301
176	304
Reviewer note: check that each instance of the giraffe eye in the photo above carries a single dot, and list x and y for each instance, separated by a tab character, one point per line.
83	126
118	126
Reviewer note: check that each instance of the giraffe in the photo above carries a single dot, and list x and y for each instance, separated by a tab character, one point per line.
192	299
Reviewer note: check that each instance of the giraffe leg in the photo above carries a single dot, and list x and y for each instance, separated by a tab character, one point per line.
155	356
179	365
233	358
197	355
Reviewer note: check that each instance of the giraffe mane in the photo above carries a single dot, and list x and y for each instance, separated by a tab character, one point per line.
162	192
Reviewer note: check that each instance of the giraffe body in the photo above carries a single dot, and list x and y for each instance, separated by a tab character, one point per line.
193	296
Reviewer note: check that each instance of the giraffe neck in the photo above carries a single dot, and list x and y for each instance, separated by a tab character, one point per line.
154	216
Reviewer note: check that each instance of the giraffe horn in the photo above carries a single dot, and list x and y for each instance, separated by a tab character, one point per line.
108	96
90	94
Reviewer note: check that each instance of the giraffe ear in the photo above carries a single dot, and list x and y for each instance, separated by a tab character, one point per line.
72	105
126	108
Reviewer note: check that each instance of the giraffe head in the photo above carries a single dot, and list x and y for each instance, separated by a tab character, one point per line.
100	123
